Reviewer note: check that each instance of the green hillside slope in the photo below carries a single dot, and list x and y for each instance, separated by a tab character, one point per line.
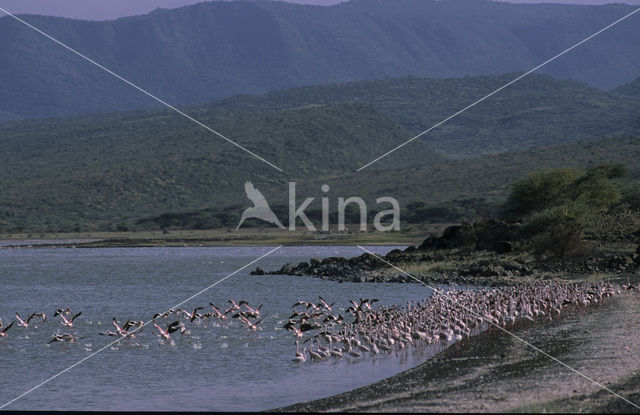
448	191
93	172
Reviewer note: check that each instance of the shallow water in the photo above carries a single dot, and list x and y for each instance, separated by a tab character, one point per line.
215	367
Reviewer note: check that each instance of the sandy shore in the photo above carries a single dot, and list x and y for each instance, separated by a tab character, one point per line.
495	372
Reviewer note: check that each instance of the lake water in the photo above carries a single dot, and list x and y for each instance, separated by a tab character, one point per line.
216	367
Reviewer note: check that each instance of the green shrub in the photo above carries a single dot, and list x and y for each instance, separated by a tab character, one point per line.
559	230
556	205
538	190
631	195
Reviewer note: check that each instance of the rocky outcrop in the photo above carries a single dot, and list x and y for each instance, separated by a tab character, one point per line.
468	254
490	235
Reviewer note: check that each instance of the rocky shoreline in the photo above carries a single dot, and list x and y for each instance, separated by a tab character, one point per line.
492	258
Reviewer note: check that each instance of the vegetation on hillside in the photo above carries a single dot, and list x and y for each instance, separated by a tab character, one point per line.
631	89
442	192
152	169
537	111
105	171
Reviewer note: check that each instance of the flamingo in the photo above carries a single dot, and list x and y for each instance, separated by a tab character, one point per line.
313	354
249	324
217	312
300	357
254	313
66	322
324	304
24	323
66	311
193	315
3	333
63	337
171	328
296	332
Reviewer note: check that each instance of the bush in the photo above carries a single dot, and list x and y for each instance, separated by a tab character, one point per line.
556	205
631	195
559	231
538	190
596	187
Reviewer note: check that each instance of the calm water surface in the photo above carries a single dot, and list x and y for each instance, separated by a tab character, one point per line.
216	367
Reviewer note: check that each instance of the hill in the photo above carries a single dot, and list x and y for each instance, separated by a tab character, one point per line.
445	191
95	172
213	50
631	89
537	111
470	188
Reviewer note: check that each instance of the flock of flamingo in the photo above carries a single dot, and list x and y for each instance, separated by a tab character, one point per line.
242	311
320	333
448	316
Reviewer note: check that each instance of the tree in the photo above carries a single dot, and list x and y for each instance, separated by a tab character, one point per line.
556	205
538	190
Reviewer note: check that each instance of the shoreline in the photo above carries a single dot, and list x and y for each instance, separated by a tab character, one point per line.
231	238
496	372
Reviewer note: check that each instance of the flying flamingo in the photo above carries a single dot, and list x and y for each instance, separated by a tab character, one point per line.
68	323
249	324
24	323
3	333
193	315
325	304
255	312
63	337
164	334
296	332
217	312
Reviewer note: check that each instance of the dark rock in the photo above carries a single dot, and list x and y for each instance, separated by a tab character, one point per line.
502	247
489	235
287	269
314	262
619	262
258	271
494	235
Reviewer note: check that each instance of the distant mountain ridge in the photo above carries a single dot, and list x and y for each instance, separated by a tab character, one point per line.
209	51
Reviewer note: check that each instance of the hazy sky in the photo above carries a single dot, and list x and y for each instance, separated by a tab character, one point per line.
111	9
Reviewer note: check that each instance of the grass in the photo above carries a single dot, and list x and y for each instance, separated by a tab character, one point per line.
230	237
